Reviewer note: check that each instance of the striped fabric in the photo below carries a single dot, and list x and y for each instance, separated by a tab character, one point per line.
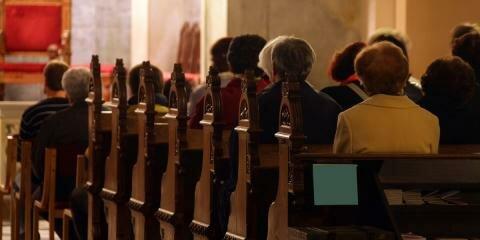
34	116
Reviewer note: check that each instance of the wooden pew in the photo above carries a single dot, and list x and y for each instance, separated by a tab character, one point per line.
118	165
182	170
6	187
294	183
99	125
214	169
80	181
294	203
59	162
256	178
151	160
24	197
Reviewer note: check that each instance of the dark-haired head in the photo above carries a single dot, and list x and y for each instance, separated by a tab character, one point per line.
450	79
342	64
219	52
467	48
134	79
243	53
53	73
462	29
392	36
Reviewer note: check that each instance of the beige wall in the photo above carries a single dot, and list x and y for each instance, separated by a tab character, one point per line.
326	24
428	24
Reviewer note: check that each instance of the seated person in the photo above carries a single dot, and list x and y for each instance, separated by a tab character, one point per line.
295	57
467	48
413	89
449	86
66	127
134	83
350	91
55	100
463	29
388	121
242	55
218	53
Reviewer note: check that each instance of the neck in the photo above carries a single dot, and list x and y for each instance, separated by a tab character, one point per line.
53	94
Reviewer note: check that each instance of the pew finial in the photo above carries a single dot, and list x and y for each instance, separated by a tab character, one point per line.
146	90
178	94
212	79
119	87
95	85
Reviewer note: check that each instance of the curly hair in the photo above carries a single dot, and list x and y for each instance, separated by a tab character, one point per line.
467	48
462	29
451	79
342	64
243	53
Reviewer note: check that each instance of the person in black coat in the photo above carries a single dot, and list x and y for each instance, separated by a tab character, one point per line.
350	91
66	127
295	57
450	94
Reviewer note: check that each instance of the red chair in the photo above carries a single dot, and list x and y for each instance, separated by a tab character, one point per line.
27	29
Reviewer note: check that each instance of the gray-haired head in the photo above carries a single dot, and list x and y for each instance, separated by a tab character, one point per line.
265	56
294	57
75	82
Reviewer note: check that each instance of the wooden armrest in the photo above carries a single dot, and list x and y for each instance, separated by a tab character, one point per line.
40	206
68	213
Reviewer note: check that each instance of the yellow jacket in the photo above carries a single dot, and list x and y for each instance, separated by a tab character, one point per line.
386	124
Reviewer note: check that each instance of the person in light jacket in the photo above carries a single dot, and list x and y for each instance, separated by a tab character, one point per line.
388	121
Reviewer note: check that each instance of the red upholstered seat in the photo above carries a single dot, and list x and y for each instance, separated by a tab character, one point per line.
32	28
22	67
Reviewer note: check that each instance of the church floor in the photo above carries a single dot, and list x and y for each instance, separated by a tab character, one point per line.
43	231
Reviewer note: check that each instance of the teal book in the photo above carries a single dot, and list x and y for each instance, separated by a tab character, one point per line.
335	184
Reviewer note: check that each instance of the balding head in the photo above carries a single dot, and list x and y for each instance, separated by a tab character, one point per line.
383	68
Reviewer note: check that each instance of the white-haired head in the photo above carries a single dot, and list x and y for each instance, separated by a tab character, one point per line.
75	82
294	57
265	57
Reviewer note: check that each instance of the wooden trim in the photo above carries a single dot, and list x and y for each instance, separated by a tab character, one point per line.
20	78
26	187
66	27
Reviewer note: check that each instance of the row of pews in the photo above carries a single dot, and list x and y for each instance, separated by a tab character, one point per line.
149	176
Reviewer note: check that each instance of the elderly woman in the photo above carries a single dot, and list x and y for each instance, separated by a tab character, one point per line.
449	85
388	121
295	57
350	91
